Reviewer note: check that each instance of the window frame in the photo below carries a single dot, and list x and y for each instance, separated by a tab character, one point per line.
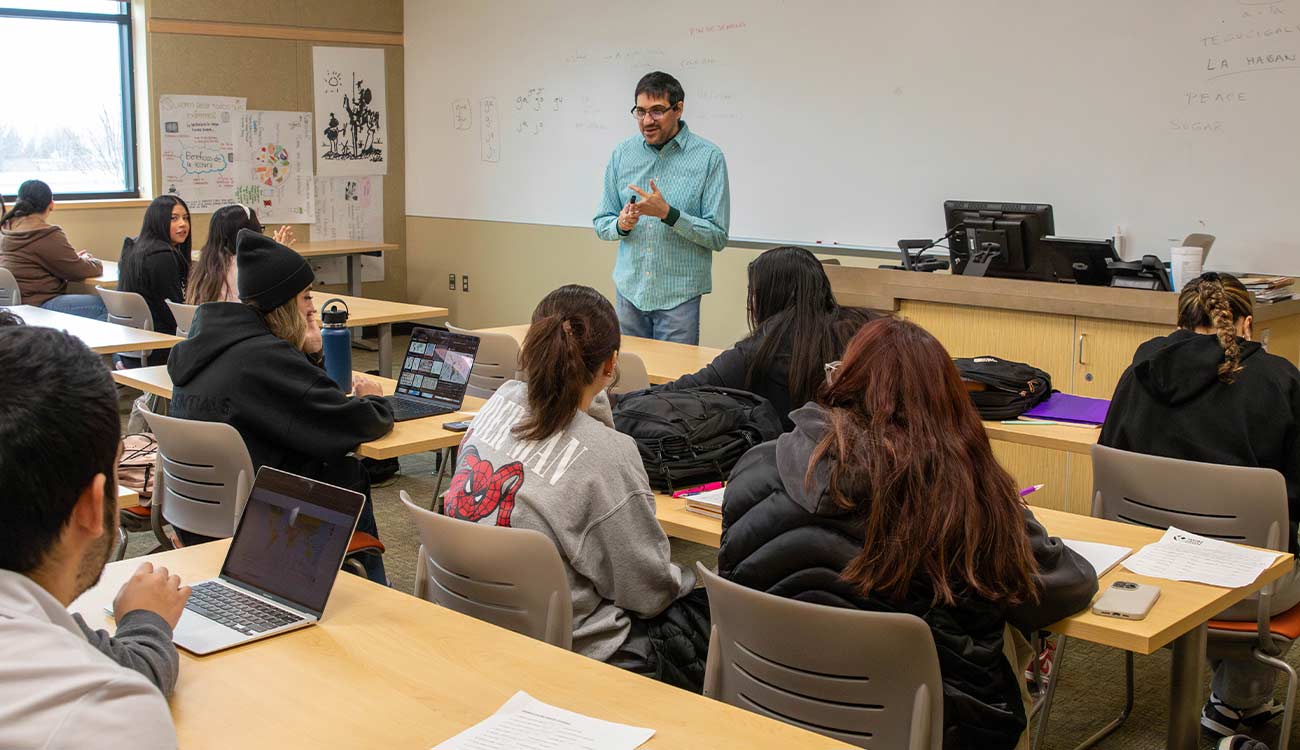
126	51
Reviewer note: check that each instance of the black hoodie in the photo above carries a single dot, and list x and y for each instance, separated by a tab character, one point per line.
292	417
158	273
792	540
1170	402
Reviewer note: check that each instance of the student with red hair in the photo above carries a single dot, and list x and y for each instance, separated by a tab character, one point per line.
887	497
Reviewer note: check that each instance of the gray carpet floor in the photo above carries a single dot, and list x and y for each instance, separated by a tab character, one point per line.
1092	677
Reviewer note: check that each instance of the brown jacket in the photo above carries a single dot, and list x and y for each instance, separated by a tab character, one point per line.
42	261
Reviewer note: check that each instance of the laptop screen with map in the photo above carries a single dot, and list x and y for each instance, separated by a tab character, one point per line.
291	538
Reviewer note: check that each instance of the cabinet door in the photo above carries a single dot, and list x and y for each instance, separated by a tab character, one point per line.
1042	340
1103	349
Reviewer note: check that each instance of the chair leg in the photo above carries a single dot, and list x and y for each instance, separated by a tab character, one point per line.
1284	732
449	456
120	552
1046	704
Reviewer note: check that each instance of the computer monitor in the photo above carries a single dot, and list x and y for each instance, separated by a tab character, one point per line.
1015	230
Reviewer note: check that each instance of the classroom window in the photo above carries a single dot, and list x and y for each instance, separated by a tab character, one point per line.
69	105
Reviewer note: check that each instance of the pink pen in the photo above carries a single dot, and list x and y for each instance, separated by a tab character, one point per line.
698	490
1031	490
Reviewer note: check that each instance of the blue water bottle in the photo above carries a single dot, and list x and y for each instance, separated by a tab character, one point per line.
336	342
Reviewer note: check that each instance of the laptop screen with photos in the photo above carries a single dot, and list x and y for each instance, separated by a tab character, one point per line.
292	537
437	366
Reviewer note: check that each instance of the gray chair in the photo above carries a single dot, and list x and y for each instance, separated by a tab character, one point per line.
513	578
864	678
205	477
206	474
128	309
184	315
497	361
10	294
1234	503
632	375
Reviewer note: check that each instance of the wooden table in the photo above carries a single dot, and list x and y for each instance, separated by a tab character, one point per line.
352	249
1178	618
411	436
98	336
382	314
384	669
1058	437
664	361
107	279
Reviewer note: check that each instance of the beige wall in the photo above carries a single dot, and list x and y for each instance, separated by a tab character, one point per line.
272	74
512	266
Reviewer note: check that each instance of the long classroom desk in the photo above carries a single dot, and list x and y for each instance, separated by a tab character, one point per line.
98	336
411	436
385	669
1178	618
664	361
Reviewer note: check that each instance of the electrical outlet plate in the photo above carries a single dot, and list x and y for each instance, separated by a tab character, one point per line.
464	283
451	282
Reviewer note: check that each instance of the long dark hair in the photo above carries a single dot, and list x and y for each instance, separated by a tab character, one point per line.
574	331
208	277
791	304
157	228
1218	301
912	460
34	197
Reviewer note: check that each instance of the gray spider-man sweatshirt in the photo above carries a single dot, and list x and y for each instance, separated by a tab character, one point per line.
586	489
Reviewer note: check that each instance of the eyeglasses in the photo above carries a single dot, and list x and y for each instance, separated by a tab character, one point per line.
656	114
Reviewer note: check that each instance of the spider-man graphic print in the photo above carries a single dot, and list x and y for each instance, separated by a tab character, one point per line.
477	490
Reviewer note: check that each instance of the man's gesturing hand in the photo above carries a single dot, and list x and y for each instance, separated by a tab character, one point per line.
652	203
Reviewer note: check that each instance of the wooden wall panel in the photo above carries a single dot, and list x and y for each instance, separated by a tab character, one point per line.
1107	350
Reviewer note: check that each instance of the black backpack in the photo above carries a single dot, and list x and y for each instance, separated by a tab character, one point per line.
1011	388
694	436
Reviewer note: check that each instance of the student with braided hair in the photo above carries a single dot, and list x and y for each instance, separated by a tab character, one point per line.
1207	392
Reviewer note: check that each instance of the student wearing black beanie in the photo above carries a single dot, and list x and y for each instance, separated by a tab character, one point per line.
246	364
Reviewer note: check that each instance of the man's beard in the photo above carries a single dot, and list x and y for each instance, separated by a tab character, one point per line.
92	565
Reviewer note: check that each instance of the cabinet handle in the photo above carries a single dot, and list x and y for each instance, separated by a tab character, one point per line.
1081	337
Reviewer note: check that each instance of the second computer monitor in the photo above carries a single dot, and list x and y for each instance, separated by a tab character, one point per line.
1016	229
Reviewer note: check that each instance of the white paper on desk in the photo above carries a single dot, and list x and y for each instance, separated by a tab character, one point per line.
525	723
1103	557
1184	556
712	498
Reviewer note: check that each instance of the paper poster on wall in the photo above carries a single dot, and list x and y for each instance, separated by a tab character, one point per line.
349	208
198	149
351	111
275	166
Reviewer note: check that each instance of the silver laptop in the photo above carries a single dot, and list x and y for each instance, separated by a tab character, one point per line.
281	565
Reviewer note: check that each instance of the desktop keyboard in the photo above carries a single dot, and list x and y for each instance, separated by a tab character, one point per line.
237	610
404	409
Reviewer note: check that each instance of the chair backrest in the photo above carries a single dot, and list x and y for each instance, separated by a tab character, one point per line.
1233	503
1203	241
865	678
127	309
513	578
184	315
9	292
497	361
632	375
206	474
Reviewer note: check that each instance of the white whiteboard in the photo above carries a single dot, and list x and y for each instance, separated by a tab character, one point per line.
851	122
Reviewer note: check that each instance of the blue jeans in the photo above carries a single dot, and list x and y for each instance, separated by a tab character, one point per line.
81	305
680	324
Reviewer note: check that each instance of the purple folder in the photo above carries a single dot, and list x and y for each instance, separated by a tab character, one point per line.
1062	407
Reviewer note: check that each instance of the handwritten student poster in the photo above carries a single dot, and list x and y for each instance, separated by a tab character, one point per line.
198	149
275	166
349	208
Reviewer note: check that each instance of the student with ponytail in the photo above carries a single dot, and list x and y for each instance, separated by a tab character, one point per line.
214	277
1207	392
40	257
544	455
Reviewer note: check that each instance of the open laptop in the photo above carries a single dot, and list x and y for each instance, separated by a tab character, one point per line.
434	373
281	565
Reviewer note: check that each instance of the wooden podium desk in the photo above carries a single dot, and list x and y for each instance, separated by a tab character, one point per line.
1083	336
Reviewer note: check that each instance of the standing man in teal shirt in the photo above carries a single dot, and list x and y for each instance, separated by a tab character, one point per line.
667	203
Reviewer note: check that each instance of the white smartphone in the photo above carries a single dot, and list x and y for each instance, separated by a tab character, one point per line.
1126	599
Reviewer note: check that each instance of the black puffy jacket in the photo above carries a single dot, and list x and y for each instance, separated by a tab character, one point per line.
790	541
